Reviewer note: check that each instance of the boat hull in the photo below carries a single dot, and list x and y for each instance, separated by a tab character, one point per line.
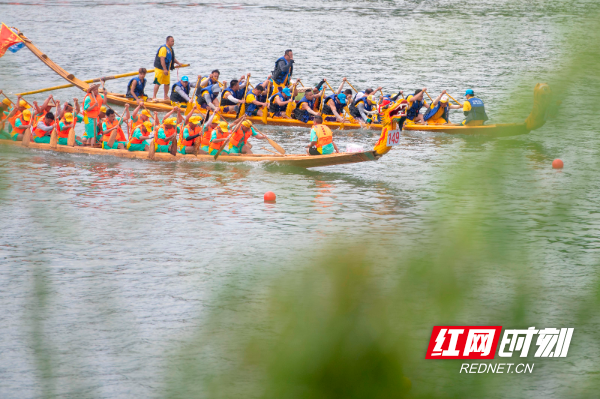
302	161
500	130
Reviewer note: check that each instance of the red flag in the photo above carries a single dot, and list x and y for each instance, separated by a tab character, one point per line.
7	39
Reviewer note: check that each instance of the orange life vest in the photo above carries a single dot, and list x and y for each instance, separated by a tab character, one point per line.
94	113
185	143
324	136
63	133
39	132
133	140
220	135
240	136
109	125
206	137
13	121
168	132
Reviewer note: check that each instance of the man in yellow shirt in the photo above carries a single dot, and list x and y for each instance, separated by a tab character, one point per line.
164	62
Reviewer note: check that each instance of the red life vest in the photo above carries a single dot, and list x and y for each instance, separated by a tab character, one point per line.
191	132
64	133
220	135
13	121
109	125
240	136
133	140
94	113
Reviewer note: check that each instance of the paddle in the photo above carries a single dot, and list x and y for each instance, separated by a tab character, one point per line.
235	128
265	114
152	149
199	139
271	151
242	108
291	105
191	105
273	143
452	98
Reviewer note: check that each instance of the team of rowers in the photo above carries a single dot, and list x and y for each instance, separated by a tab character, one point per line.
189	132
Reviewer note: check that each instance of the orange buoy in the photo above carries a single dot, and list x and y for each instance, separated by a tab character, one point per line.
556	164
270	196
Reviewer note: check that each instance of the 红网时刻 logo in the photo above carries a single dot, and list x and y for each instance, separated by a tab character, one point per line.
483	342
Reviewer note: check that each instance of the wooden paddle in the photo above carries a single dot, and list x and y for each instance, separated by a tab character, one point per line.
54	138
235	128
273	143
71	137
452	98
191	105
265	114
291	105
266	149
152	149
242	108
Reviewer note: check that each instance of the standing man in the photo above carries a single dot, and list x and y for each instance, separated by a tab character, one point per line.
474	110
92	110
284	68
164	62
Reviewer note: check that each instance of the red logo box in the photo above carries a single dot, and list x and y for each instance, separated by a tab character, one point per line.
463	342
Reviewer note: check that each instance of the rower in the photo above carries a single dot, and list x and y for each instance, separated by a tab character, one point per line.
304	110
474	110
284	68
253	106
438	112
111	123
40	112
317	93
164	62
415	103
238	144
321	139
136	86
137	141
180	92
233	95
208	97
64	126
279	102
218	138
20	121
209	126
5	111
364	108
167	132
211	79
92	104
136	120
43	129
192	130
334	105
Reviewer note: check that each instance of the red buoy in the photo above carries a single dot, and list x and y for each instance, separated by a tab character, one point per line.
557	164
270	196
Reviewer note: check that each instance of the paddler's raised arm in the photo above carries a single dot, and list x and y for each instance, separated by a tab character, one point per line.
339	90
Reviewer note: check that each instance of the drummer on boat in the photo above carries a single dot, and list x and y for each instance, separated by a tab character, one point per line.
164	62
321	139
136	86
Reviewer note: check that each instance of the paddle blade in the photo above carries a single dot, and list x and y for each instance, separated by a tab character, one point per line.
265	115
152	150
290	109
54	139
71	138
276	146
112	138
173	147
27	137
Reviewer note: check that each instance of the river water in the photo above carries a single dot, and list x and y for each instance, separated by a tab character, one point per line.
132	254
